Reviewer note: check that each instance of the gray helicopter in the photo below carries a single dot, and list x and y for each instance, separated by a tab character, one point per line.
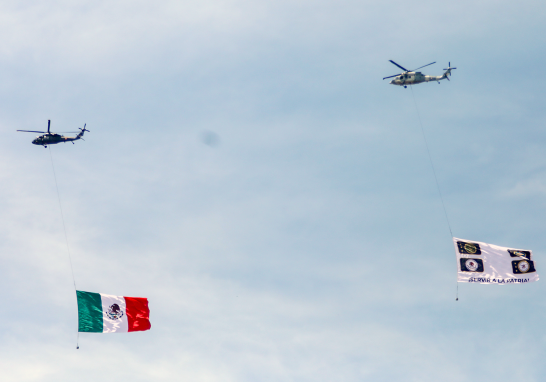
49	138
411	77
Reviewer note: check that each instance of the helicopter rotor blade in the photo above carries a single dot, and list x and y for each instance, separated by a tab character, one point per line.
424	66
392	76
32	131
48	124
401	67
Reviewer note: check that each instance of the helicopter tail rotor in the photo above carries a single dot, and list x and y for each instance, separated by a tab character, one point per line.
80	135
448	70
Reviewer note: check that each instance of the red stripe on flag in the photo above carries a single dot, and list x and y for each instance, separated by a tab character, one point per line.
138	314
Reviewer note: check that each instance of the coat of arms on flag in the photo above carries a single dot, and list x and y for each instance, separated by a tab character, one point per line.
492	264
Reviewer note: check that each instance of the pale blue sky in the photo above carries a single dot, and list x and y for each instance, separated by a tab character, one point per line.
309	244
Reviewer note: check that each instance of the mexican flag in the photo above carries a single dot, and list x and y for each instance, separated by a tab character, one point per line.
103	313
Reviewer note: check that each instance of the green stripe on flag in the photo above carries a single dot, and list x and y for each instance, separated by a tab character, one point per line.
89	312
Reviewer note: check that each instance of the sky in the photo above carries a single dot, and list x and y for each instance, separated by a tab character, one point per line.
250	173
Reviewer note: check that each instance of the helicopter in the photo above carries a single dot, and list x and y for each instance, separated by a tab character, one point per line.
49	138
411	77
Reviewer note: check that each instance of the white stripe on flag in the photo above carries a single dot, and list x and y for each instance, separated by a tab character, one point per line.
114	315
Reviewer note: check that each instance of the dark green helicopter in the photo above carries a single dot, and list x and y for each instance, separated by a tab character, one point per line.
49	138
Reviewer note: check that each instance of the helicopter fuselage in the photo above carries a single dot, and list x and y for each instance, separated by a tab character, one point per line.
414	78
51	139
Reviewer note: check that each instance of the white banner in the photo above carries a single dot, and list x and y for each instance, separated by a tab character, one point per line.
491	264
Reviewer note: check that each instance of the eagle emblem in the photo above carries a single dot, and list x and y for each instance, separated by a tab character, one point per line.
114	312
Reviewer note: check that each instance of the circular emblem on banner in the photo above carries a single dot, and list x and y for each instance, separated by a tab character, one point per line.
524	266
472	265
114	312
470	248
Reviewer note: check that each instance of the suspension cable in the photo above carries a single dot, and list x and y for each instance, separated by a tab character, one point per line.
435	177
65	235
